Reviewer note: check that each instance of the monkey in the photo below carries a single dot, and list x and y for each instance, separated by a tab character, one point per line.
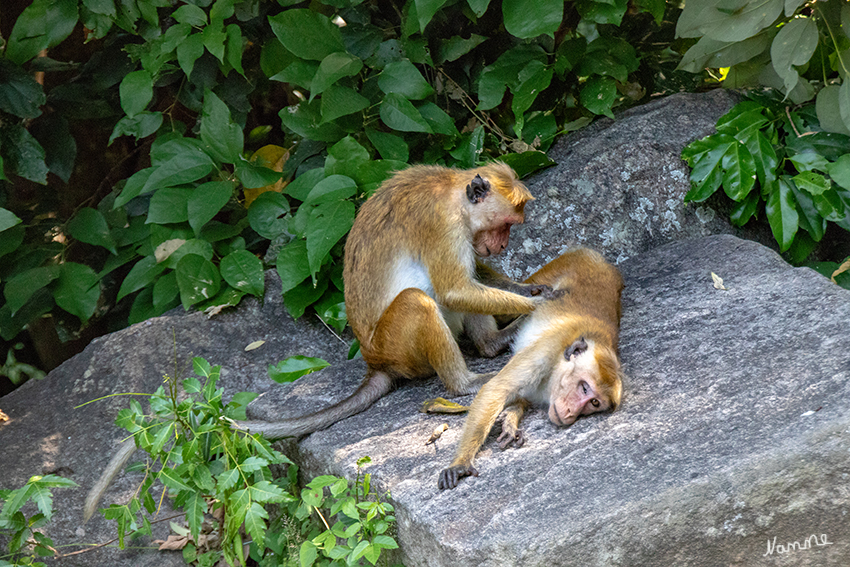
565	357
410	274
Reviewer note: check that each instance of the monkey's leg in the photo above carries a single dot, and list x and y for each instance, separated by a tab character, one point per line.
412	339
487	337
511	433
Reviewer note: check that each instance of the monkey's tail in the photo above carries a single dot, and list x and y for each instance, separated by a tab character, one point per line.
119	459
376	385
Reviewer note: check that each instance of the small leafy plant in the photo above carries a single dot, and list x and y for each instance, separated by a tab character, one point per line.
26	543
774	158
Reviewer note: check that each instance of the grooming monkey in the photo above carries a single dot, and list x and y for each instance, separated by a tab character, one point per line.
410	281
565	357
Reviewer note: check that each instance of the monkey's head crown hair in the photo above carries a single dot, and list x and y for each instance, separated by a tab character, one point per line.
503	174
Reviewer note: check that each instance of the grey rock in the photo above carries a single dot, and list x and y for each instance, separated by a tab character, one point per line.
735	430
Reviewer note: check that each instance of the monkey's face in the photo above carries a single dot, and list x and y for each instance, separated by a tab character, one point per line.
575	390
491	215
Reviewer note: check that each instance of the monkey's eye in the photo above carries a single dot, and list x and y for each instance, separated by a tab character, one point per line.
584	390
594	402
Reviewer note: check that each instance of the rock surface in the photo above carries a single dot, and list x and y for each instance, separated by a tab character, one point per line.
734	430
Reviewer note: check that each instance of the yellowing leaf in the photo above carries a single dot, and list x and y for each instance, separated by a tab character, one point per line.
255	345
272	157
167	248
718	281
845	266
441	405
437	432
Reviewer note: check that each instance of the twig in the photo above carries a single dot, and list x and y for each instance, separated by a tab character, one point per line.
113	540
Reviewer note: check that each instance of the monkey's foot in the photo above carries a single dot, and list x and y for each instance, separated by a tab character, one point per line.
511	435
450	477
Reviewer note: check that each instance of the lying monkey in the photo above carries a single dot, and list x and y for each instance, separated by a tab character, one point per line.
565	356
411	280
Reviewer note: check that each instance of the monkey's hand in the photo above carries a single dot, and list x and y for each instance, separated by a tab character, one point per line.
542	291
450	477
511	434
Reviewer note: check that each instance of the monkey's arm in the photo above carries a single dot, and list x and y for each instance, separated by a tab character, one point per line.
492	278
486	335
511	433
473	297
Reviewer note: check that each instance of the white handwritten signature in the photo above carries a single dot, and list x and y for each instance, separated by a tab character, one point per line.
807	543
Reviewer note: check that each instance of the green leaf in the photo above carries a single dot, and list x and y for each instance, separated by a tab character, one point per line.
189	164
308	553
165	292
714	19
255	524
839	171
8	219
764	157
191	15
602	12
90	226
143	273
11	238
189	51
495	77
195	508
299	72
706	168
253	175
136	92
470	147
598	95
402	77
527	20
810	219
54	135
827	107
42	25
214	38
811	182
221	137
709	52
77	290
456	47
295	367
844	102
340	101
292	264
301	186
139	126
332	68
264	491
793	45
169	205
526	163
307	34
24	155
345	157
243	271
388	145
327	224
20	94
21	287
425	10
234	47
172	479
206	201
305	119
399	114
739	175
439	121
269	215
533	80
331	189
781	209
745	209
197	278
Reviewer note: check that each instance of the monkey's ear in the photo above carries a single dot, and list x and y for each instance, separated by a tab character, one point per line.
477	190
575	349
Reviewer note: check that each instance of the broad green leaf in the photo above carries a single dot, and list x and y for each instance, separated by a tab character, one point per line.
90	226
743	125
20	94
331	189
42	25
425	10
456	47
142	274
243	271
214	38
402	77
437	119
495	77
739	171
717	20
189	51
340	101
193	246
390	146
745	209
829	145
172	479
706	168
399	114
308	553
829	115
569	54
165	292
781	209
234	48
602	12
23	154
808	161
307	34
8	219
299	72
811	182
793	45
327	224
169	205
301	186
599	62
526	163
332	68
305	119
197	278
830	206
136	92
533	80
599	94
133	187
221	137
295	367
345	157
255	524
206	201
191	15
844	102
839	171
764	156
709	52
188	165
60	149
469	147
21	287
298	299
810	219
253	175
269	215
77	290
139	126
527	20
11	238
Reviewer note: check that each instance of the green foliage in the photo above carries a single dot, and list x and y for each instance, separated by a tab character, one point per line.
216	473
772	159
190	94
25	543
